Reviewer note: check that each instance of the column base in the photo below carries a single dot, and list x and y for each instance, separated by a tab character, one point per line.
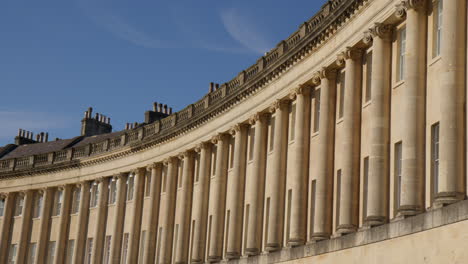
346	229
446	198
272	247
214	259
232	255
375	220
196	261
319	236
252	251
409	210
295	242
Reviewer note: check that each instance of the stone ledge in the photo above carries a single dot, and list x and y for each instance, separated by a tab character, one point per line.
428	220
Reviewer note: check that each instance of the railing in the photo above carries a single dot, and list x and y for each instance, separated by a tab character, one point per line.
314	27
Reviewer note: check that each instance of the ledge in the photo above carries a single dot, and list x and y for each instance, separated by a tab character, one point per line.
431	219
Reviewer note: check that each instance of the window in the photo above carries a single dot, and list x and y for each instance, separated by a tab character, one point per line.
401	54
272	133
130	187
58	202
142	246
19	205
94	194
2	206
112	191
197	170
292	121
338	197
107	249
232	142
12	254
398	157
148	184
164	178
124	248
70	249
365	186
435	159
368	77
76	200
438	9
213	160
180	173
89	250
39	198
341	84
51	252
32	253
251	143
316	110
312	206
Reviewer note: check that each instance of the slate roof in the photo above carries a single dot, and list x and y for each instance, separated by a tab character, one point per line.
98	138
39	148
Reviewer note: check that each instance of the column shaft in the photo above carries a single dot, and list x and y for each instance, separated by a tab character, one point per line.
120	204
6	225
25	227
60	249
137	214
83	213
44	231
257	189
101	221
235	193
155	195
278	177
351	143
324	157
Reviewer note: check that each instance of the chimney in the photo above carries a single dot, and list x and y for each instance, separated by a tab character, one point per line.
211	87
25	137
217	86
159	111
98	125
155	107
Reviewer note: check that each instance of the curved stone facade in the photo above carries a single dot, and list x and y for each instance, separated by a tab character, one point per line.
351	131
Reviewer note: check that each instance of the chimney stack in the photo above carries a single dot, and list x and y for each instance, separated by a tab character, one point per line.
159	112
211	87
217	86
98	125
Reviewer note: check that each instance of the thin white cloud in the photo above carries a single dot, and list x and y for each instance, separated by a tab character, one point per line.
244	31
11	121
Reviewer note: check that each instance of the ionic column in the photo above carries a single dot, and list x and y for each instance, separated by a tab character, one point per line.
182	246
256	191
83	213
413	105
378	178
299	179
155	195
60	249
10	199
44	226
137	214
235	193
324	156
452	79
25	226
117	234
101	220
200	205
351	141
278	177
165	256
219	184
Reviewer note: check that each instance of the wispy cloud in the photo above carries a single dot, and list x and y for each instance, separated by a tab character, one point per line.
11	121
244	31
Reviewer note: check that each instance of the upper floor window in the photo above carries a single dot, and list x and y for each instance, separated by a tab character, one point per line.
94	195
251	142
19	205
51	252
39	197
2	206
180	173
272	133
130	187
368	76
341	89
401	54
76	200
148	184
437	25
232	141
112	191
197	168
13	254
58	200
292	121
213	159
316	110
435	158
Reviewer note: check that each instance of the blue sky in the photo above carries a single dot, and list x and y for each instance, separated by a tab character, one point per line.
57	57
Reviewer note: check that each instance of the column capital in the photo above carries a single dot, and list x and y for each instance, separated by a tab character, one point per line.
414	4
169	160
137	171
237	128
153	166
218	138
120	176
379	30
303	89
324	73
400	11
202	145
185	154
277	105
4	195
257	117
350	53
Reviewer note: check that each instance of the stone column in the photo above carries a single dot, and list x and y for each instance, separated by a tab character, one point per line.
452	79
61	247
182	246
165	256
83	213
413	105
200	205
10	199
219	185
235	193
120	204
44	226
351	142
155	196
137	214
25	226
278	177
256	190
101	221
300	171
378	179
324	156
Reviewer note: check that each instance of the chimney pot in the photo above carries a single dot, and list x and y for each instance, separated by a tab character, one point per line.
46	137
217	86
135	124
19	132
165	109
38	137
159	108
155	106
170	110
